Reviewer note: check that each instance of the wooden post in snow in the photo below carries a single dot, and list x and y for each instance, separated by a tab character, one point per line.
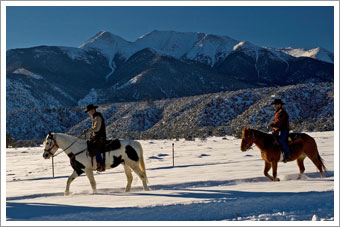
173	155
52	167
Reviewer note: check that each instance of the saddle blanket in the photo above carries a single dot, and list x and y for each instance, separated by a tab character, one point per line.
111	145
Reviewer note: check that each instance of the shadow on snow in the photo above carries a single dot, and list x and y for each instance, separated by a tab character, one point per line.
219	205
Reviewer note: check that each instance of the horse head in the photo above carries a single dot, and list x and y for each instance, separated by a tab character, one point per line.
247	139
51	146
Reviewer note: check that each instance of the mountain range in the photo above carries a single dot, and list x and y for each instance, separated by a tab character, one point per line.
158	65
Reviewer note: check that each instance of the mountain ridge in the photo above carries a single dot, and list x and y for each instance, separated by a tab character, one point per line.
158	65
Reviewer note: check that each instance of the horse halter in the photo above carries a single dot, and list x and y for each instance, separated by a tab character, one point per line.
250	140
54	145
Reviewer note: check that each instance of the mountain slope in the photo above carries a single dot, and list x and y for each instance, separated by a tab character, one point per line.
311	107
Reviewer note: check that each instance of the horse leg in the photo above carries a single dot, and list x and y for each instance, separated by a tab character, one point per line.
319	164
274	166
299	162
267	167
89	174
142	176
73	176
311	150
129	177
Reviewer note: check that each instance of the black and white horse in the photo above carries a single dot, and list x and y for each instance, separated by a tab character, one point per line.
130	155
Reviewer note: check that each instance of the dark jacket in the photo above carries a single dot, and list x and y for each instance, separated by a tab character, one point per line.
281	120
101	133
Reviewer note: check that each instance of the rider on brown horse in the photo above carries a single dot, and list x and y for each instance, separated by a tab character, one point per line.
98	136
281	127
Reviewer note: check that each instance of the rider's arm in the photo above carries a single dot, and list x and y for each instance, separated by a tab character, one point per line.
96	124
279	122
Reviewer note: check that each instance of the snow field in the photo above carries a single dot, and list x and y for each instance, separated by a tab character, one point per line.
211	181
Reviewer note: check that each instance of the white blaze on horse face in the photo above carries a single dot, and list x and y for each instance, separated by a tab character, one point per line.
47	150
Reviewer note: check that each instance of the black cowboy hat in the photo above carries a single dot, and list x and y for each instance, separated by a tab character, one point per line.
277	101
90	107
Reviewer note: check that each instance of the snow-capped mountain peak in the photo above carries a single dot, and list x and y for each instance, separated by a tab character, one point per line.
106	42
175	44
205	48
103	36
316	53
201	47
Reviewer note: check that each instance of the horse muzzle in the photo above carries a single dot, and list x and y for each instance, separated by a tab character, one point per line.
46	155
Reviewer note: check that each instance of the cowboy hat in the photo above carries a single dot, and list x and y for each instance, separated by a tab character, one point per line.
277	101
90	107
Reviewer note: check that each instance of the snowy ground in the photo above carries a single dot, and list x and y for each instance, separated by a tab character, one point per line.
211	180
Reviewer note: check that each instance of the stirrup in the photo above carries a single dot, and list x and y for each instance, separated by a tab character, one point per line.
285	158
100	168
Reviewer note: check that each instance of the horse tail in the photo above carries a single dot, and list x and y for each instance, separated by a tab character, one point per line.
313	153
141	161
320	162
323	168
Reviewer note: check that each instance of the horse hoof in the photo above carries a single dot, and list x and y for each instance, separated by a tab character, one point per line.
66	193
277	179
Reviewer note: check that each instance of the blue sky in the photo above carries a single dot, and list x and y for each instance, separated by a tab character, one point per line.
305	27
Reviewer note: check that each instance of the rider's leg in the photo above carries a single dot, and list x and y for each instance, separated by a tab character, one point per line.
283	141
100	149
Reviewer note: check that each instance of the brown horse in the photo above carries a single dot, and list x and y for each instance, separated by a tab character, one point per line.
301	147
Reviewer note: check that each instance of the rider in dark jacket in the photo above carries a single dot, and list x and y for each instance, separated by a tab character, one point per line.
281	127
98	135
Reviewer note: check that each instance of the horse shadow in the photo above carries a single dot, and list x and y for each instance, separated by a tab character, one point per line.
217	205
183	186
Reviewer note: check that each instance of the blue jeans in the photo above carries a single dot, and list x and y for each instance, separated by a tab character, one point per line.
283	137
99	158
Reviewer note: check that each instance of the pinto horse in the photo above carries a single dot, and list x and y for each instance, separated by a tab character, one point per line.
304	146
130	155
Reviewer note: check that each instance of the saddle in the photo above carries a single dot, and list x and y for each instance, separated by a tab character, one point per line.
109	145
293	138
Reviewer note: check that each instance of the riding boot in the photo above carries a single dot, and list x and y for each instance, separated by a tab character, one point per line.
100	167
285	157
100	164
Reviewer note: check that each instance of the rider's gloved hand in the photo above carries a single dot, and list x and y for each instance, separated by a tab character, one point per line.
270	126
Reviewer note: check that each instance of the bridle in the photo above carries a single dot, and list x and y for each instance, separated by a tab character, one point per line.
56	145
250	140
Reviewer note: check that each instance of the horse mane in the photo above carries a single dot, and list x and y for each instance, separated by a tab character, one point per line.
64	134
267	138
70	137
244	131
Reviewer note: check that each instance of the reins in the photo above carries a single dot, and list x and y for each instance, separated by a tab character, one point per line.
74	155
55	144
